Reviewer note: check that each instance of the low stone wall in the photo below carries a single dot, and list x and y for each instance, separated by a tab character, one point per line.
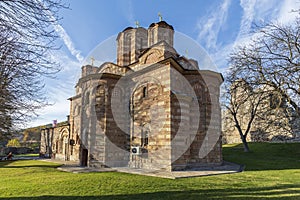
16	150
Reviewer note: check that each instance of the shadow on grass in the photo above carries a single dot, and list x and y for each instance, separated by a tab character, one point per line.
286	191
4	163
265	156
10	164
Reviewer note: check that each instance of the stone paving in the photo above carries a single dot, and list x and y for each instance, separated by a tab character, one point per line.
226	168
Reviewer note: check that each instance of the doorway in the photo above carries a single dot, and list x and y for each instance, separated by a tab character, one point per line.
84	157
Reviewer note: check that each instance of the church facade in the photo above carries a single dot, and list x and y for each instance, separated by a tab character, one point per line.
152	109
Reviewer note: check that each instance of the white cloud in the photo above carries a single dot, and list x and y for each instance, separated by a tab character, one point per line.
131	18
103	52
285	14
262	11
210	26
220	57
254	11
128	11
68	42
64	36
59	90
247	18
58	112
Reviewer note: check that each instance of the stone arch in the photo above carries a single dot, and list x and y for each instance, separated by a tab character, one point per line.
112	68
145	82
152	56
140	110
63	143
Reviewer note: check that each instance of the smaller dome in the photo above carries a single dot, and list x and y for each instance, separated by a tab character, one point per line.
162	24
152	25
128	28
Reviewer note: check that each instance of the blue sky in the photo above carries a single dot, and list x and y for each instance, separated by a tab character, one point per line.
216	25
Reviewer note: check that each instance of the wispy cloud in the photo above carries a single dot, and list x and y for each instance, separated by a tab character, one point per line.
128	11
59	90
263	11
131	18
285	14
209	27
68	42
254	11
247	18
64	36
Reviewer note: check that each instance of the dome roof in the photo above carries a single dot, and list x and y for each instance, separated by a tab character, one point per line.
162	24
128	28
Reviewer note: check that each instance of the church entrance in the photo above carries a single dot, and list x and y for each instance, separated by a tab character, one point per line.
84	157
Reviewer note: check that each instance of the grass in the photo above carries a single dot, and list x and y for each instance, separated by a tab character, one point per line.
27	155
272	171
265	156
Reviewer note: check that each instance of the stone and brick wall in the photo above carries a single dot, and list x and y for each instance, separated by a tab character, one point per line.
152	99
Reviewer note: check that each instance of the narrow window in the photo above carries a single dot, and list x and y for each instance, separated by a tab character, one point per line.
144	139
87	98
152	38
145	92
128	48
141	45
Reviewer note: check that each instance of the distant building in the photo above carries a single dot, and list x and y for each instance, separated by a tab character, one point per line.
55	141
153	109
275	121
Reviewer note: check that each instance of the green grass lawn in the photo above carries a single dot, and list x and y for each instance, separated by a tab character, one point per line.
272	171
27	155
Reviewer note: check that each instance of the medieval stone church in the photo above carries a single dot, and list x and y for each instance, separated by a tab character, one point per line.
153	109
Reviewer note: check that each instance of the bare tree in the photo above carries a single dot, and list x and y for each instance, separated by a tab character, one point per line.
27	39
243	104
270	66
273	59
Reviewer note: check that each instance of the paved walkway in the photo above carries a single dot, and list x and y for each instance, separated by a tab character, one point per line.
226	168
74	167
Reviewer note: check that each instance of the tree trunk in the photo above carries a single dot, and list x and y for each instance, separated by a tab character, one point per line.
246	147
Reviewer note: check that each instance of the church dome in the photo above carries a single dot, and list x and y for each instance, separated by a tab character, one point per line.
128	28
162	24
